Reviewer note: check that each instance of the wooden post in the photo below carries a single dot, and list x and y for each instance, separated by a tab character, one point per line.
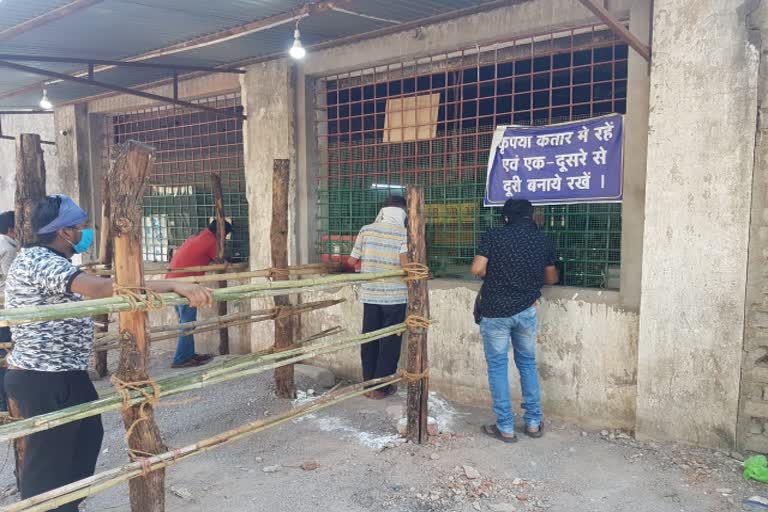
128	177
105	258
30	183
221	235
30	190
284	383
418	305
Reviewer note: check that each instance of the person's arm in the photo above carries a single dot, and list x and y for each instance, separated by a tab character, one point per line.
479	266
551	275
357	251
6	259
95	287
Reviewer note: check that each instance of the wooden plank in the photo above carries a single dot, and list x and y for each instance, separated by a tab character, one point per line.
411	118
418	306
618	28
221	235
128	178
30	190
284	383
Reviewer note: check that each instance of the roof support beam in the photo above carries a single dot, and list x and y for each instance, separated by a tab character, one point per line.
55	14
229	34
114	63
10	137
618	28
111	87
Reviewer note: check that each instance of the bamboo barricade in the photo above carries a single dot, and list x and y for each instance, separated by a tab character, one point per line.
110	478
143	302
214	373
298	270
233	320
98	270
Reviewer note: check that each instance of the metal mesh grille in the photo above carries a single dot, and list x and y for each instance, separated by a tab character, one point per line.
430	122
189	147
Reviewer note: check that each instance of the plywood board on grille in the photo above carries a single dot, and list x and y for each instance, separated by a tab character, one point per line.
411	118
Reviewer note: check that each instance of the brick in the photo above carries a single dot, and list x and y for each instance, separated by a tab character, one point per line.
755	426
758	319
757	444
756	374
755	409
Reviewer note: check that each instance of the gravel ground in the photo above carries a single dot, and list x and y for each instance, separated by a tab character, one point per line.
348	458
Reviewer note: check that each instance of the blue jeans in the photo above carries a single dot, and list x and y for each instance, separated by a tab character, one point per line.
185	347
497	334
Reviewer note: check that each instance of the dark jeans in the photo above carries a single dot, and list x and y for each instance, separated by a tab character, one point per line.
380	357
61	455
185	346
5	337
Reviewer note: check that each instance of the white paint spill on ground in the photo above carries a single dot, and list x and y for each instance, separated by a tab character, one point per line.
336	424
304	397
443	412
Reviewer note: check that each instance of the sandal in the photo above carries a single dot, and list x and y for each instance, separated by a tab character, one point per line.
535	434
192	363
493	431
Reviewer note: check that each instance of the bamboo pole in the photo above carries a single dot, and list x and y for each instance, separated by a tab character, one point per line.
239	276
119	304
129	472
179	328
285	386
243	366
160	271
221	233
128	177
30	190
418	306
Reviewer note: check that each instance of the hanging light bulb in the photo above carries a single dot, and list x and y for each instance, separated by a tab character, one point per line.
297	51
45	103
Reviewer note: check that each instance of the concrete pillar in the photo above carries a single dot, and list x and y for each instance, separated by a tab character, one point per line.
635	147
752	431
703	107
75	177
268	91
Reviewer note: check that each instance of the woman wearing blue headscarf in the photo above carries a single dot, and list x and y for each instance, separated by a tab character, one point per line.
48	368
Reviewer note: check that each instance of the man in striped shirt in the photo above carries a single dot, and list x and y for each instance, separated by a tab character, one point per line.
382	246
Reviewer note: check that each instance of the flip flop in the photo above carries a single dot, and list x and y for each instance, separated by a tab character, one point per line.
537	434
493	431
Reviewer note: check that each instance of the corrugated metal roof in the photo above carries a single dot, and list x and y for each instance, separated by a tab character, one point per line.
116	29
13	12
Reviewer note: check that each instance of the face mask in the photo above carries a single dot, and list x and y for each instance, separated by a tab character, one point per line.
86	239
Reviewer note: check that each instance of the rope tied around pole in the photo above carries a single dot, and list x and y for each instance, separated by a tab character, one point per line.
417	322
416	272
136	296
150	391
274	272
152	397
410	378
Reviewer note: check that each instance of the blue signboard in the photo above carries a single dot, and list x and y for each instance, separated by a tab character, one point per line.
565	163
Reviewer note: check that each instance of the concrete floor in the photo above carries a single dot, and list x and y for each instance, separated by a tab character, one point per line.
364	467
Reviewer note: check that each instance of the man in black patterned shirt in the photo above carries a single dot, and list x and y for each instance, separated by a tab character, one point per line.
515	262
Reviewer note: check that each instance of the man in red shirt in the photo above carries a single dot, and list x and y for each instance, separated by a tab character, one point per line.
195	251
